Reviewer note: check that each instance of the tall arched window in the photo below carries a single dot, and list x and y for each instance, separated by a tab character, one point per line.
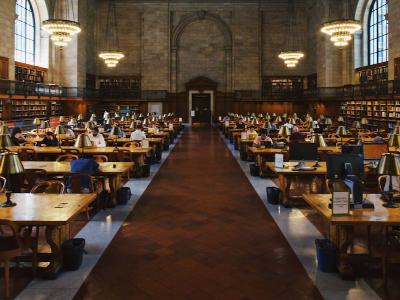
25	33
378	33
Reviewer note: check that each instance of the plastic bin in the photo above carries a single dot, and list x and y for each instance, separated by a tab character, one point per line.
326	255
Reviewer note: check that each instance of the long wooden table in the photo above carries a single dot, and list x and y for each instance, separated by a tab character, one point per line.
112	170
52	211
341	228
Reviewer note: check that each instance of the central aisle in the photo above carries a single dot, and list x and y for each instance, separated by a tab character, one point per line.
199	231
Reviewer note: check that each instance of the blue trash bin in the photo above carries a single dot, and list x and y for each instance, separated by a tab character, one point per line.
326	255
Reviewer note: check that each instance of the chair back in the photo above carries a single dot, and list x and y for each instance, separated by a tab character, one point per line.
49	187
76	182
3	182
11	244
71	151
26	154
33	177
132	144
100	158
67	157
122	155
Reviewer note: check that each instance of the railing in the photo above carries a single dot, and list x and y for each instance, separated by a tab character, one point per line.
388	88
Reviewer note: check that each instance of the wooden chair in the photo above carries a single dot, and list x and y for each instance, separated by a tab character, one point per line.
132	144
70	151
122	155
100	158
67	157
33	177
26	154
3	182
10	247
49	187
74	181
27	144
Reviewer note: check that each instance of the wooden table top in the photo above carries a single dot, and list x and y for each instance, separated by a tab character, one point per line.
378	215
44	209
53	167
93	150
288	169
256	150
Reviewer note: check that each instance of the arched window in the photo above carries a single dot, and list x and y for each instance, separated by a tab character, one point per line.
378	33
25	33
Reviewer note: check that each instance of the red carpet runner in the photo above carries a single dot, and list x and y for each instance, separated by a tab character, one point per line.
199	231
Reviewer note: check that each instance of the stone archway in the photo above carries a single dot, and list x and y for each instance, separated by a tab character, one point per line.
179	30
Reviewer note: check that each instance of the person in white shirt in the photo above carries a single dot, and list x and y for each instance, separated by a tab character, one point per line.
138	134
97	138
106	115
69	132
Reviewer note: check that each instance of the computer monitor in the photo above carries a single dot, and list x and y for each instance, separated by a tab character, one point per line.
300	151
352	149
374	151
340	165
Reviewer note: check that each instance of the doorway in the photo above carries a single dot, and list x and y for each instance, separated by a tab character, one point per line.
201	108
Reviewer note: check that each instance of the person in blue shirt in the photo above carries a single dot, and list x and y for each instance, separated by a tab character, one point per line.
84	165
49	140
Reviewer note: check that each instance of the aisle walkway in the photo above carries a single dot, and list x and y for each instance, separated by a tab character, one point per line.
199	231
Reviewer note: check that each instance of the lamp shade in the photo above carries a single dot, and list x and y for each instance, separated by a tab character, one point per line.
123	119
92	118
4	129
389	165
364	121
284	131
268	125
59	130
284	115
90	125
61	119
83	141
341	131
319	140
80	117
356	124
278	119
109	121
292	121
116	115
10	164
132	125
274	114
128	114
394	140
5	141
313	125
36	122
115	131
328	121
45	124
340	119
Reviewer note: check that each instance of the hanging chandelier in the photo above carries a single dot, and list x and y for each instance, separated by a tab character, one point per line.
341	31
291	57
111	55
62	29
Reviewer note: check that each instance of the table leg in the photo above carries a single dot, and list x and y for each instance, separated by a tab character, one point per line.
284	185
55	236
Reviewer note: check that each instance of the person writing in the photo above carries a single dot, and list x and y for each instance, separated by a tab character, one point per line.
138	134
97	138
263	139
49	140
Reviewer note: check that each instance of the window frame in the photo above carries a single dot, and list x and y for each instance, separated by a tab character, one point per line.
22	34
374	37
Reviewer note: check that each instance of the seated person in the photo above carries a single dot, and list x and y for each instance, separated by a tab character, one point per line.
138	134
85	165
240	125
16	136
263	139
287	124
296	135
252	133
69	132
378	139
49	140
97	138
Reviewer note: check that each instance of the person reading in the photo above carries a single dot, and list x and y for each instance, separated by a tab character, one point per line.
49	140
263	139
97	138
138	134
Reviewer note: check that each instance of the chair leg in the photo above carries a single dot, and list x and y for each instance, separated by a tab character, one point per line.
7	277
87	213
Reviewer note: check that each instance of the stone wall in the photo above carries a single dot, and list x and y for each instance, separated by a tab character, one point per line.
7	21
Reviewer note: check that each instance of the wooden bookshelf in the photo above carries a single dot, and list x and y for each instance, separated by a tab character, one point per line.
29	73
276	84
373	74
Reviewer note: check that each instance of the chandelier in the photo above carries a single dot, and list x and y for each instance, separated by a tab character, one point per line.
62	29
111	55
342	30
291	57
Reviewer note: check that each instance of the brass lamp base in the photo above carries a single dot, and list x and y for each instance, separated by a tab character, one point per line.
390	203
8	204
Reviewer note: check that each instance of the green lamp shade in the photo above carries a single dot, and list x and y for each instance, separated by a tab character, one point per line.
341	131
389	165
83	141
10	164
319	140
394	140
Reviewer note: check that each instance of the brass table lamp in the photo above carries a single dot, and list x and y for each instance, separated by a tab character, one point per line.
10	164
278	119
4	129
83	141
389	165
284	131
356	125
341	131
340	119
115	133
60	130
319	140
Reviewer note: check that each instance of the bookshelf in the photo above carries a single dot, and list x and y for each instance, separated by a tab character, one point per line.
29	73
271	85
373	74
